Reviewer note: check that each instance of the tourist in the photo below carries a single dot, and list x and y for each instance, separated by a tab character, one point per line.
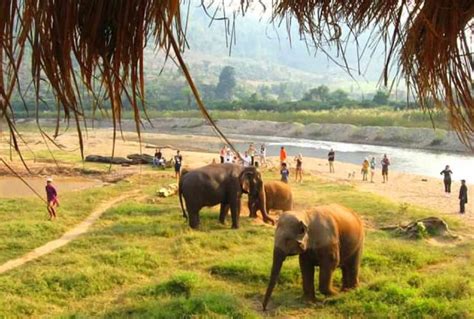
365	169
178	160
284	172
447	179
282	155
462	197
299	168
385	163
373	165
251	152
222	153
247	160
229	157
331	157
157	157
52	198
263	154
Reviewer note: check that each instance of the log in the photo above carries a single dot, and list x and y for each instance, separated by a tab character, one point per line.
424	227
140	158
107	159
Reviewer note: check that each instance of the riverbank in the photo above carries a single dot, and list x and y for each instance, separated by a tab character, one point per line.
396	136
199	150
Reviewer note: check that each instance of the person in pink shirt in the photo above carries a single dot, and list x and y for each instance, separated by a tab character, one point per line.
52	198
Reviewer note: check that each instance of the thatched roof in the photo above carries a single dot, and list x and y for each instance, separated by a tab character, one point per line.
425	42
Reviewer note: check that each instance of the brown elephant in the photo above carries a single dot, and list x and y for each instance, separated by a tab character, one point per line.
327	236
278	195
221	184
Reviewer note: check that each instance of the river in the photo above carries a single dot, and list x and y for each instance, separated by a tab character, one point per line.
421	162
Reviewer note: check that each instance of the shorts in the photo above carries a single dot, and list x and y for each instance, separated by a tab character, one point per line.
177	168
53	202
384	170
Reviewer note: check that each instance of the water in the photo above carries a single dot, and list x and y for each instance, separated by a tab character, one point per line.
420	162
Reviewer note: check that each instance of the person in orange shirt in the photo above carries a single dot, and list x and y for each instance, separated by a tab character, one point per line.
282	155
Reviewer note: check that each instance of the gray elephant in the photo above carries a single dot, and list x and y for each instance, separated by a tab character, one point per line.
328	236
221	184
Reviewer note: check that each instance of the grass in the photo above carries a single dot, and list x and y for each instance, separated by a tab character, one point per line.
359	117
141	260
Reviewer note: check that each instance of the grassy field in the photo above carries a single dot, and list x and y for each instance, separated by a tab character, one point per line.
359	117
381	116
141	260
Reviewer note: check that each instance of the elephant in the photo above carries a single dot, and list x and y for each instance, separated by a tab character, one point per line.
327	236
278	196
221	184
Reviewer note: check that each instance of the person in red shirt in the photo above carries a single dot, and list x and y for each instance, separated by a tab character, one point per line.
282	155
52	198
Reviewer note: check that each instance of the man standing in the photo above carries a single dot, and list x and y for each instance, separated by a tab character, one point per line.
462	197
385	164
447	179
282	155
178	160
331	157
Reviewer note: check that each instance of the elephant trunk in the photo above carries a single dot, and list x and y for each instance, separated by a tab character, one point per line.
278	259
263	205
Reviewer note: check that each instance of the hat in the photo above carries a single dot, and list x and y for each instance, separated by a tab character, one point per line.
49	179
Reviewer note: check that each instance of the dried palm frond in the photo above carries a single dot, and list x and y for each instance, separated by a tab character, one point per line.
104	41
426	40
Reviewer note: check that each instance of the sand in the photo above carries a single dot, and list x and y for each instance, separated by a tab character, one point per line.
403	188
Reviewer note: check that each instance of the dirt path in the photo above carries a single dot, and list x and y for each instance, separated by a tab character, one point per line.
67	237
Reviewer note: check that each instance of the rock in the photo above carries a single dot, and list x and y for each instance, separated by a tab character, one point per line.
171	190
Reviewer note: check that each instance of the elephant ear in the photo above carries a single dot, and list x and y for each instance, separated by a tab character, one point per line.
244	181
303	228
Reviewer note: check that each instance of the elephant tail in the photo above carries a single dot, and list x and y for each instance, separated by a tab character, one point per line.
180	191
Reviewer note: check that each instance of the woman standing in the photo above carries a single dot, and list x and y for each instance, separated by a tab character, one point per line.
365	169
299	168
373	164
447	179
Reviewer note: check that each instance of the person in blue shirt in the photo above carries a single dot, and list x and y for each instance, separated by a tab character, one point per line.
285	173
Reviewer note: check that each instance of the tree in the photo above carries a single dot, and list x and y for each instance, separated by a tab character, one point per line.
321	93
339	96
380	98
227	83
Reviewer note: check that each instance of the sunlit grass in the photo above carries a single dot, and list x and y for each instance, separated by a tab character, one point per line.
142	260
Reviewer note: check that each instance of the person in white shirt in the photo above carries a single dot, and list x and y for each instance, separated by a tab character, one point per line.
247	160
229	157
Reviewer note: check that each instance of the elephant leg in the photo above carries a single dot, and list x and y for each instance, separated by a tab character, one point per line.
350	272
223	213
235	212
328	263
193	218
307	272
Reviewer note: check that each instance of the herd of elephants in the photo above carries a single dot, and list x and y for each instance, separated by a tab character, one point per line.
327	237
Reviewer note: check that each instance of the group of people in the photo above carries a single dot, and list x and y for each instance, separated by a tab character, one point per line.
160	161
249	158
285	172
372	165
447	172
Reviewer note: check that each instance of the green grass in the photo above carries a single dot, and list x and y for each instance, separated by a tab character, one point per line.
141	260
359	117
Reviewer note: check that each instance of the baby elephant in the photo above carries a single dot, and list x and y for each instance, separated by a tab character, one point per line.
278	196
326	236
